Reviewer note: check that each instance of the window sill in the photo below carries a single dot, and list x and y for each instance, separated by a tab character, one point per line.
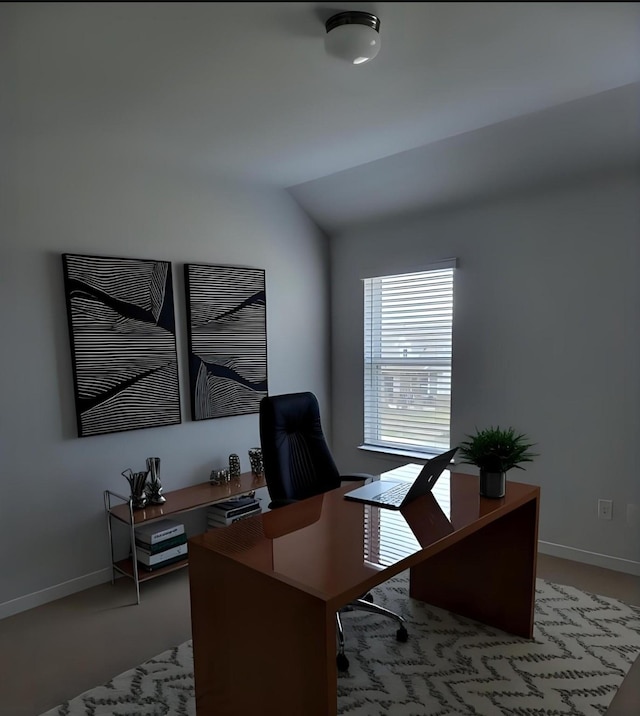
394	453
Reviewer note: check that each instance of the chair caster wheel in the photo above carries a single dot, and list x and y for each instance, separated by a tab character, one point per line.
342	662
368	597
402	634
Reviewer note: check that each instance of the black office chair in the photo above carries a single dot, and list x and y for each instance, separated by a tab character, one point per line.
298	464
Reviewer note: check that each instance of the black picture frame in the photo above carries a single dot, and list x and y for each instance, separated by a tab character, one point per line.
227	339
122	335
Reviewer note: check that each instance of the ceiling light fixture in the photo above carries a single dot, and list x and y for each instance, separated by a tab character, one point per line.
353	36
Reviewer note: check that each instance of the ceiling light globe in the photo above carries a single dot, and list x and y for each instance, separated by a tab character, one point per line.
353	36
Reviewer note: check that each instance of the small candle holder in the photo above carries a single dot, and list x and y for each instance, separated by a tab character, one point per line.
255	460
234	465
219	477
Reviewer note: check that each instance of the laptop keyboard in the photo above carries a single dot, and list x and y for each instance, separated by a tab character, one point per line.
394	495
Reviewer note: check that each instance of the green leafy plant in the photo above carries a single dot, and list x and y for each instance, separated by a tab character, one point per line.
496	449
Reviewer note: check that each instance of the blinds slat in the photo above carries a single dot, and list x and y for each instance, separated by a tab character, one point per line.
408	344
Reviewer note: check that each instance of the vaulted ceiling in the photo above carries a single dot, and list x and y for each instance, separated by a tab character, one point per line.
462	97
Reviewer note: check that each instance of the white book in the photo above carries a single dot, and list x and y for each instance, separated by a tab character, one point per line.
228	516
157	531
150	560
226	509
219	521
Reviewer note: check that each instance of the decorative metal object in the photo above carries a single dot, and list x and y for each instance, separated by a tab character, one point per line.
154	489
255	460
137	482
219	477
234	465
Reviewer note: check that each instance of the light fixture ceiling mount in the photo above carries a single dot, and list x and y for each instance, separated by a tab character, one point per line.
353	36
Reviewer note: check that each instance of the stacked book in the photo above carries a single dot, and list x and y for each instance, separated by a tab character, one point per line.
225	513
160	543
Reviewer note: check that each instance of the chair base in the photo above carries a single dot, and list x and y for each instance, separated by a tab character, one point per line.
365	604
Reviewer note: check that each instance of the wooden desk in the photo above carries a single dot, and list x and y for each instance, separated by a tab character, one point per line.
264	591
626	702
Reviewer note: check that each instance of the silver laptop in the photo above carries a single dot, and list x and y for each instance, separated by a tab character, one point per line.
394	495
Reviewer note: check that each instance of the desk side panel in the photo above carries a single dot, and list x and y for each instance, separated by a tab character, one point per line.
490	575
626	702
247	625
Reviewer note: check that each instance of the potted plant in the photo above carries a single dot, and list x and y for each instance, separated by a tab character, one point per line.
495	451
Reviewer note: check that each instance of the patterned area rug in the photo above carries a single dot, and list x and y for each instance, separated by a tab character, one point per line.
583	646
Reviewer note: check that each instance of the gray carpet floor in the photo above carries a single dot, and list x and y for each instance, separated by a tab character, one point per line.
54	652
584	644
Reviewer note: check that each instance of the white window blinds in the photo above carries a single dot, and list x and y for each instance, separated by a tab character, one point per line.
408	322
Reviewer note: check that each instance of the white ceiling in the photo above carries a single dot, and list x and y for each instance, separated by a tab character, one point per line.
569	142
246	89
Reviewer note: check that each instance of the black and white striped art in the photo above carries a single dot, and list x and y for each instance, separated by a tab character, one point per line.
226	310
123	343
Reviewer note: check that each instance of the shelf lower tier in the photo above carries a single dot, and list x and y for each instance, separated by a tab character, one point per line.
125	566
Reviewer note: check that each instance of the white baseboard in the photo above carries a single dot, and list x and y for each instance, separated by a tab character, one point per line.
617	564
36	599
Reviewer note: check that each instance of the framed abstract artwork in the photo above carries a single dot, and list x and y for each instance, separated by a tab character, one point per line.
123	343
227	335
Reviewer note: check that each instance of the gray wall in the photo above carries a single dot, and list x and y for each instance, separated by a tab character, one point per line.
546	338
62	197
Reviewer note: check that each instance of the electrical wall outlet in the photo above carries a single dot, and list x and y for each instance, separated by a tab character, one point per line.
605	509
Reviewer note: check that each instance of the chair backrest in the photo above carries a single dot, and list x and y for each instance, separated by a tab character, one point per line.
296	458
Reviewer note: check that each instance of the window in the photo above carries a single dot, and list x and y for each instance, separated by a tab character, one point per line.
408	322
